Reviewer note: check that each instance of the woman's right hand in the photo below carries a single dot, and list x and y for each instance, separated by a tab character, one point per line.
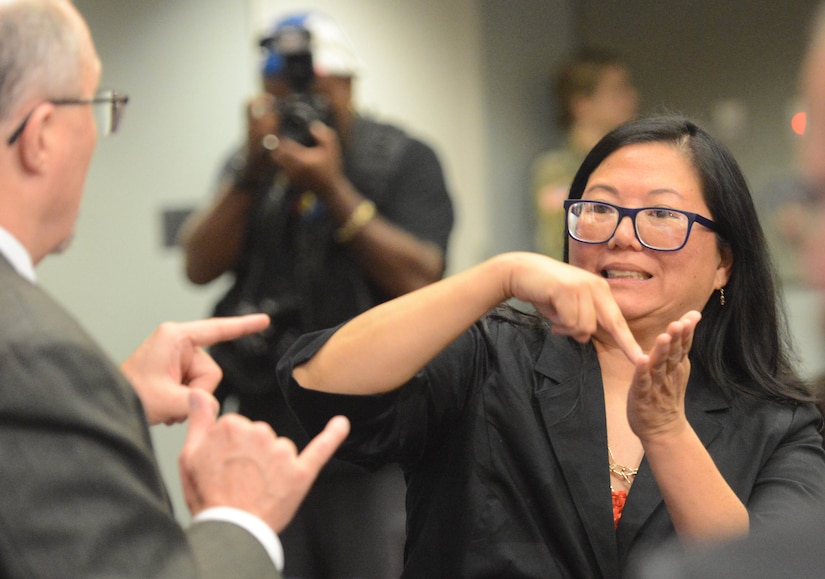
578	303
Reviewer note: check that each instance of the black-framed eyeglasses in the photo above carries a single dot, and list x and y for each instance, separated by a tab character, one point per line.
108	106
659	228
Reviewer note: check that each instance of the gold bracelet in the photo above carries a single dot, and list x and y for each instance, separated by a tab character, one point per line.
363	213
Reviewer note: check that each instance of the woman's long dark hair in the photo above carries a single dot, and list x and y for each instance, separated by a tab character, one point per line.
743	346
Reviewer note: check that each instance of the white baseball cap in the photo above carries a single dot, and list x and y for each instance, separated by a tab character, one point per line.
332	51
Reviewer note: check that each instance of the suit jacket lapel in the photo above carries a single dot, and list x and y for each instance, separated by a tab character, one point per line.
572	407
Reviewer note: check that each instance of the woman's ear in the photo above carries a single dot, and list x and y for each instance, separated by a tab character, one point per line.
724	268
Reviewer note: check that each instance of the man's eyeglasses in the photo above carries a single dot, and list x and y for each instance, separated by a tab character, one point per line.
659	228
107	106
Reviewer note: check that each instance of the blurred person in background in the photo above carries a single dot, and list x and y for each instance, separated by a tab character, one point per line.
594	94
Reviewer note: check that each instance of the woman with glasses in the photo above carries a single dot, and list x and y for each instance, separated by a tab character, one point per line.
650	395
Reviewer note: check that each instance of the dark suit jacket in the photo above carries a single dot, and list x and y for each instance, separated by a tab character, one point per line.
503	440
82	495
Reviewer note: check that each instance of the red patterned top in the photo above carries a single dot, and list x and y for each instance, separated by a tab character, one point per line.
619	499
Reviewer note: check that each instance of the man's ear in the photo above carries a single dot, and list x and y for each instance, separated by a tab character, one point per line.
36	138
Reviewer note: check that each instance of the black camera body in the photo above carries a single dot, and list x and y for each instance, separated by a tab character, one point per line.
300	107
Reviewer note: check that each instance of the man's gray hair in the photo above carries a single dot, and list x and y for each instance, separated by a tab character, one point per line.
39	53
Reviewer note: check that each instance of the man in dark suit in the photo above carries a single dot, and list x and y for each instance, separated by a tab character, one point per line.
82	493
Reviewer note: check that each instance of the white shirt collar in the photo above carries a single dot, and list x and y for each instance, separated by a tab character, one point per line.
17	255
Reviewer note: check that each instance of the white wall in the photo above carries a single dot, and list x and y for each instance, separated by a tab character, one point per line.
525	41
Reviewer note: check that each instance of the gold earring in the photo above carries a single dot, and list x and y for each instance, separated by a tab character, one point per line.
722	296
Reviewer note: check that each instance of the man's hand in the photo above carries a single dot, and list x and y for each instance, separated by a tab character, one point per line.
172	360
233	462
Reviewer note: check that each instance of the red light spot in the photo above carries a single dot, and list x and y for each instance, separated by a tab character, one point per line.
798	123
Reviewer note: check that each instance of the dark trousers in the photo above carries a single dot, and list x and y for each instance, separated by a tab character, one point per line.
351	525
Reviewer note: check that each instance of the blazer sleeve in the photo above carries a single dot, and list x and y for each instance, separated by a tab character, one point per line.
227	550
792	472
82	493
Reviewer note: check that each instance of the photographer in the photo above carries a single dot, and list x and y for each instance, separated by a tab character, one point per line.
321	215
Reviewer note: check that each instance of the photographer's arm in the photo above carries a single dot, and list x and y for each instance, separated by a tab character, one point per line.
213	237
392	258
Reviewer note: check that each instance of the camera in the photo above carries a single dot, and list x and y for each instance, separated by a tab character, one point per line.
300	107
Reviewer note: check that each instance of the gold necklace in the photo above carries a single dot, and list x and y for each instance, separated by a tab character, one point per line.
625	473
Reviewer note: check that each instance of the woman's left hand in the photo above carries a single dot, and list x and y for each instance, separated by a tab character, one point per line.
656	401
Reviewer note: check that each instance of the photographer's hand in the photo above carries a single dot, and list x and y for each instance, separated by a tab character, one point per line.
261	121
319	168
390	256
